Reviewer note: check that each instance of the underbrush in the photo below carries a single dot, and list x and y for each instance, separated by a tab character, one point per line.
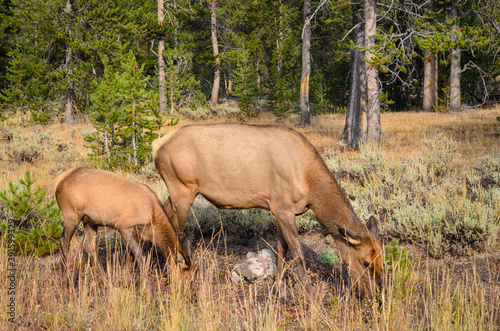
426	200
29	223
205	220
39	144
416	295
224	110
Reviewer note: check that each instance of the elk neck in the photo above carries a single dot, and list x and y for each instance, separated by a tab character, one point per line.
330	205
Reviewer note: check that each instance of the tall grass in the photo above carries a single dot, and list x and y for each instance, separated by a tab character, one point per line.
422	293
433	299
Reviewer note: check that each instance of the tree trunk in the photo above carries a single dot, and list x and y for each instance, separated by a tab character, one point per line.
455	67
161	62
68	96
134	135
215	45
106	145
430	88
430	99
372	91
352	129
305	115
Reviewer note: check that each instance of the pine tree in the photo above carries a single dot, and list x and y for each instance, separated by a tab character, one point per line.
135	129
104	116
38	222
28	90
284	72
181	84
245	83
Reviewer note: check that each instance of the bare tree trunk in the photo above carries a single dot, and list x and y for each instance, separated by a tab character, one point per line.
455	67
161	62
134	135
374	131
352	128
305	115
215	45
106	145
279	40
68	96
430	88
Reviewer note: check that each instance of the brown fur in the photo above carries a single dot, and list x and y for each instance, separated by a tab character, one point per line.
269	167
102	198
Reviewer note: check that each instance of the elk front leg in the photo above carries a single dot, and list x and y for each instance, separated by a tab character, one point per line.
282	250
133	244
290	234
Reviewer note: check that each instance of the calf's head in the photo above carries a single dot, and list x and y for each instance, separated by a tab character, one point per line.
184	257
364	256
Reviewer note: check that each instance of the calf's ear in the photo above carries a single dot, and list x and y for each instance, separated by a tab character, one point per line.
372	225
187	246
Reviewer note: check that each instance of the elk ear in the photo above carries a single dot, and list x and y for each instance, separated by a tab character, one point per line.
184	259
352	238
372	225
187	245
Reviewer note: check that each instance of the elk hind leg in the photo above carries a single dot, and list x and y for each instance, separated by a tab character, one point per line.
71	221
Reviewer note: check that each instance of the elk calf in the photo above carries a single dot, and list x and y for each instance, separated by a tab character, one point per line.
102	198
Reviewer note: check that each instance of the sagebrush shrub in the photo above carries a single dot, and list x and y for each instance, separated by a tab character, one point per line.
439	154
457	213
329	258
36	145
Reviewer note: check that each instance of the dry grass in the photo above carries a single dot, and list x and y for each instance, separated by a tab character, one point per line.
433	299
439	295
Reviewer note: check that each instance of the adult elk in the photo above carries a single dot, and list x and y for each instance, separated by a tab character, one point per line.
270	167
102	198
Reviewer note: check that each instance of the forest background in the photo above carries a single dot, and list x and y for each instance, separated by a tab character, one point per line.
55	56
92	83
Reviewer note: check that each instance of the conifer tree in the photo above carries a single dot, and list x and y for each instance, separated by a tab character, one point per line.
245	83
135	129
104	116
181	85
28	90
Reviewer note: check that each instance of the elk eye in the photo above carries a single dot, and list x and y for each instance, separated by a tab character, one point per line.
366	264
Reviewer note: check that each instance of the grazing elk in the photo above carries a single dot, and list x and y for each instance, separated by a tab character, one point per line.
270	167
102	198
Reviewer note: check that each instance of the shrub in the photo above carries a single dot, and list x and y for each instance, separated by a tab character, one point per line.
439	154
38	223
228	109
329	258
455	214
36	145
243	224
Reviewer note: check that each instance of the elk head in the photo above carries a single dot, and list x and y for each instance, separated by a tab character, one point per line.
364	256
